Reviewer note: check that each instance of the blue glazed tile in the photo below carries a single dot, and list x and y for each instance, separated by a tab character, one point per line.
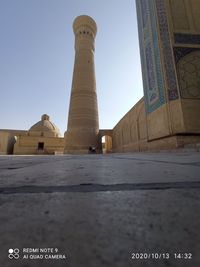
169	68
153	81
180	52
187	38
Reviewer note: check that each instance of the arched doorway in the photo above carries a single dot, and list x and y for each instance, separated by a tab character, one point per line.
106	142
105	136
11	142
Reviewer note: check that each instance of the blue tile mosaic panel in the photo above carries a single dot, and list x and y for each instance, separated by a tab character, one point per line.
169	67
188	72
187	64
153	81
181	38
180	52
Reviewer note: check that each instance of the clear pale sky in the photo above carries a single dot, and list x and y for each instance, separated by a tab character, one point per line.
37	57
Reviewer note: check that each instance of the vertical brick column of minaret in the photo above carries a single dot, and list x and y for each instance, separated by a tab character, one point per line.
83	123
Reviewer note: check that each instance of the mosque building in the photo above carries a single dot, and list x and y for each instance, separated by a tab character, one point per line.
167	117
42	138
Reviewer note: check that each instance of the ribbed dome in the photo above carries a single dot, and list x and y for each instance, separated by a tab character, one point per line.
45	128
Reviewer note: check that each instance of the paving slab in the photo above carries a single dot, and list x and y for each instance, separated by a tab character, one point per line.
101	210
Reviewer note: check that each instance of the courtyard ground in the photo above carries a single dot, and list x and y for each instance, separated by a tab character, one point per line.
100	210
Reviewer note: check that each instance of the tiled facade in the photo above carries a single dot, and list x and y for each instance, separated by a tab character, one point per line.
150	55
156	51
168	115
166	47
188	71
181	38
187	60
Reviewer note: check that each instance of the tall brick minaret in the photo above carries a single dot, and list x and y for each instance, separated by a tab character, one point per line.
83	122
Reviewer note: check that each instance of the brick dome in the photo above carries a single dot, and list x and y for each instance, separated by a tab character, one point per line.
45	127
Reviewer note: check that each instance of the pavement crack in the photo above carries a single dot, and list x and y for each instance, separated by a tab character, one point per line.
89	188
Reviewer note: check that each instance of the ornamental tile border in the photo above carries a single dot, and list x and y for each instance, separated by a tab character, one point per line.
169	67
182	38
150	55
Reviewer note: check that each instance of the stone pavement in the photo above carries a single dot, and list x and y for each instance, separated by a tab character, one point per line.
101	210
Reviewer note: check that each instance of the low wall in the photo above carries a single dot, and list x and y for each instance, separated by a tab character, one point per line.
138	132
130	134
28	145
